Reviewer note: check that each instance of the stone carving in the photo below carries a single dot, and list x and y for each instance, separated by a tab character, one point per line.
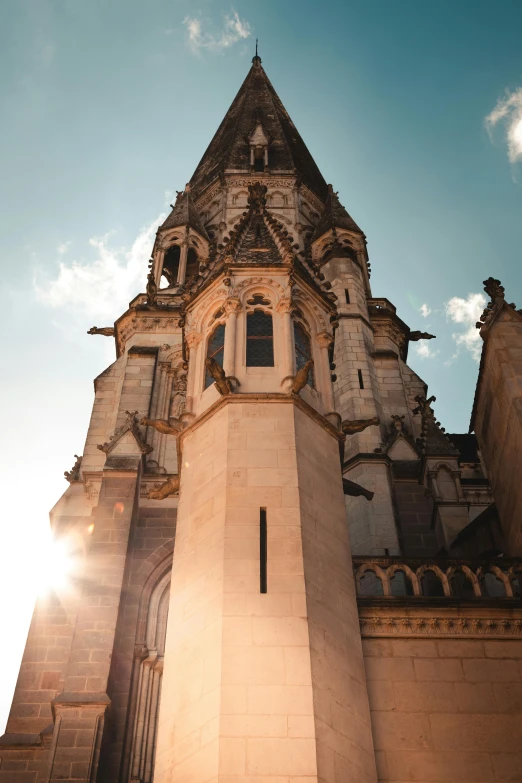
222	383
358	425
495	291
170	487
355	490
151	289
301	377
398	422
439	626
414	336
131	425
172	427
74	473
424	406
107	331
91	492
257	195
433	439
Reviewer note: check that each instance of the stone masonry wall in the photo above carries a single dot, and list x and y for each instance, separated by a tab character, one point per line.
498	424
446	710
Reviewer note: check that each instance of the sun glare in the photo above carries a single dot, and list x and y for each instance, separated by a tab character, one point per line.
57	565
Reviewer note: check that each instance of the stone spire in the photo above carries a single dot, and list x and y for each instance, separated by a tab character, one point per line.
334	216
257	103
184	213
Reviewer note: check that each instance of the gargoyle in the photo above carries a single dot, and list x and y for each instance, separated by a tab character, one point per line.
152	289
301	377
107	331
222	383
355	490
172	427
170	487
358	425
414	336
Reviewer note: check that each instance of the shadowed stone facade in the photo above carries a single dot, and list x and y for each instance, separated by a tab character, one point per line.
288	571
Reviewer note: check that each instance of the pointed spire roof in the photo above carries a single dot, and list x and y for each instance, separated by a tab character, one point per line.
334	216
184	213
257	103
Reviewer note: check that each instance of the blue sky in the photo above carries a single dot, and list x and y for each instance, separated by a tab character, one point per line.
108	106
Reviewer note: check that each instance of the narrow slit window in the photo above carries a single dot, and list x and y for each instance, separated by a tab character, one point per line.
215	350
361	382
260	340
347	296
303	350
263	554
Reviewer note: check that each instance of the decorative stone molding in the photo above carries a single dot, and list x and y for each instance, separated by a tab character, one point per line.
131	425
232	305
193	339
384	626
507	572
323	339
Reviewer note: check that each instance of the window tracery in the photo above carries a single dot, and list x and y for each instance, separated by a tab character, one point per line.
260	339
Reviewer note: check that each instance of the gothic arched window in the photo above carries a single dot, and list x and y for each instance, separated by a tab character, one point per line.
303	350
171	265
260	340
215	350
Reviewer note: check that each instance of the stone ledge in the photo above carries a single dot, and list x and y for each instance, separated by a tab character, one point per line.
265	397
80	698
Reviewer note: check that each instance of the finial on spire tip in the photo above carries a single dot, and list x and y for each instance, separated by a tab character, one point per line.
256	59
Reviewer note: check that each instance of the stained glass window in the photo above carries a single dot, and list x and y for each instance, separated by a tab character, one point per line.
215	350
260	340
303	350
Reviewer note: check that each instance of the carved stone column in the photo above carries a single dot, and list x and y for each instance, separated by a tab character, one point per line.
183	262
232	307
324	340
158	264
287	369
192	340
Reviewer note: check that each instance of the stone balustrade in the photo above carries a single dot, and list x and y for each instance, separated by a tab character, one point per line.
453	580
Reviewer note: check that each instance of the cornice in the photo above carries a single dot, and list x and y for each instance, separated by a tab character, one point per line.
493	622
270	398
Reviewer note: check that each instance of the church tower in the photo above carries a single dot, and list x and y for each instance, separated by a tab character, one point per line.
259	439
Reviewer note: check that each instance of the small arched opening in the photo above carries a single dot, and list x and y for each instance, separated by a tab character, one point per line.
171	266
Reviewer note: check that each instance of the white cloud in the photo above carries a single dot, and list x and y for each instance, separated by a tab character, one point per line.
508	112
467	312
425	351
98	291
234	29
63	248
424	310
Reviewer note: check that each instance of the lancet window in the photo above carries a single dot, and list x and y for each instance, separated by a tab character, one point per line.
303	350
260	340
215	350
